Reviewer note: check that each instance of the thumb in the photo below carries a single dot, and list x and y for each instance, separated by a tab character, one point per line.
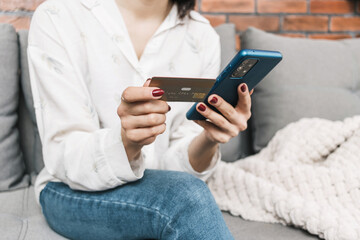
147	82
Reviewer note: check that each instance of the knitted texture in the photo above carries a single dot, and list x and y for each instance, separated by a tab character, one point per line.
308	176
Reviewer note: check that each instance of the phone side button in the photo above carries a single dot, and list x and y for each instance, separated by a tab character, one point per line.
227	69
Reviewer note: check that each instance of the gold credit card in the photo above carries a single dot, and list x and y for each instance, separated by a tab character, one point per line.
183	89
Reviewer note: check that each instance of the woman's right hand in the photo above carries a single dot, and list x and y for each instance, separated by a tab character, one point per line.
142	117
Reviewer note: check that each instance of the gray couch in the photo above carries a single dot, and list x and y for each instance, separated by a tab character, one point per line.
20	147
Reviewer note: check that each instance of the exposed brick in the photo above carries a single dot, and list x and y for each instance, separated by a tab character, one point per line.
305	23
238	42
345	24
329	36
14	5
17	21
282	6
267	23
293	25
215	20
332	6
293	35
235	6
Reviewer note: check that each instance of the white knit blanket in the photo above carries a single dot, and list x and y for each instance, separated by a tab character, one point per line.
308	176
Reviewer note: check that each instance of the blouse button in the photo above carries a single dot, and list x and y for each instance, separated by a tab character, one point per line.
118	39
95	169
116	59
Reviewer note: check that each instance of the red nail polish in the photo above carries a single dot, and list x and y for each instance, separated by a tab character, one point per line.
157	92
214	100
169	107
243	88
202	107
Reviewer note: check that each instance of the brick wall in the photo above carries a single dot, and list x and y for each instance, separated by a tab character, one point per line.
331	19
326	19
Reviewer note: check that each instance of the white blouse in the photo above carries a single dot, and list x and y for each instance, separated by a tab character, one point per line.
81	59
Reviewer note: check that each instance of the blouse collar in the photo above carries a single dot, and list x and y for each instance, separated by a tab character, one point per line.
115	26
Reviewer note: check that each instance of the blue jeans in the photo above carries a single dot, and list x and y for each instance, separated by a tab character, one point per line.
162	205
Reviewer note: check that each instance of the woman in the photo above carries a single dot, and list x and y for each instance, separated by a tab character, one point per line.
101	125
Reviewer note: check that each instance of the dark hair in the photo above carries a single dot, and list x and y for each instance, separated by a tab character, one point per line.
184	7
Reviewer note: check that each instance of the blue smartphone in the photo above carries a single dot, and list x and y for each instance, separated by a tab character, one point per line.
248	66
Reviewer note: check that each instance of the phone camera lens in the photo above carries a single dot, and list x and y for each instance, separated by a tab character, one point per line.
244	68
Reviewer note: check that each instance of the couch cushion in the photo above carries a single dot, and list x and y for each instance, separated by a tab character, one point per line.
21	217
30	139
12	168
242	229
227	36
316	78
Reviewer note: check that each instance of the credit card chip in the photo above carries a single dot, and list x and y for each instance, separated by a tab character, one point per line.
199	95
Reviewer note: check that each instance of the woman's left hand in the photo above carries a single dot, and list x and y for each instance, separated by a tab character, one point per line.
220	129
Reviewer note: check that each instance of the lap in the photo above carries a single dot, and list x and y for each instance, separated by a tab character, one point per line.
147	205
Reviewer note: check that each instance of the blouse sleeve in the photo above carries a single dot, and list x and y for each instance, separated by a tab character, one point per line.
176	157
75	149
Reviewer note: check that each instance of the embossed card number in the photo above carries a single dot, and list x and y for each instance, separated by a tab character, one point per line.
183	89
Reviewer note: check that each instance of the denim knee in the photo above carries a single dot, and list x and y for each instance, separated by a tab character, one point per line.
191	192
194	213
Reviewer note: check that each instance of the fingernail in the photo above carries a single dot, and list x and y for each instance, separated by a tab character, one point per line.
148	79
169	108
243	88
214	100
157	92
202	107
